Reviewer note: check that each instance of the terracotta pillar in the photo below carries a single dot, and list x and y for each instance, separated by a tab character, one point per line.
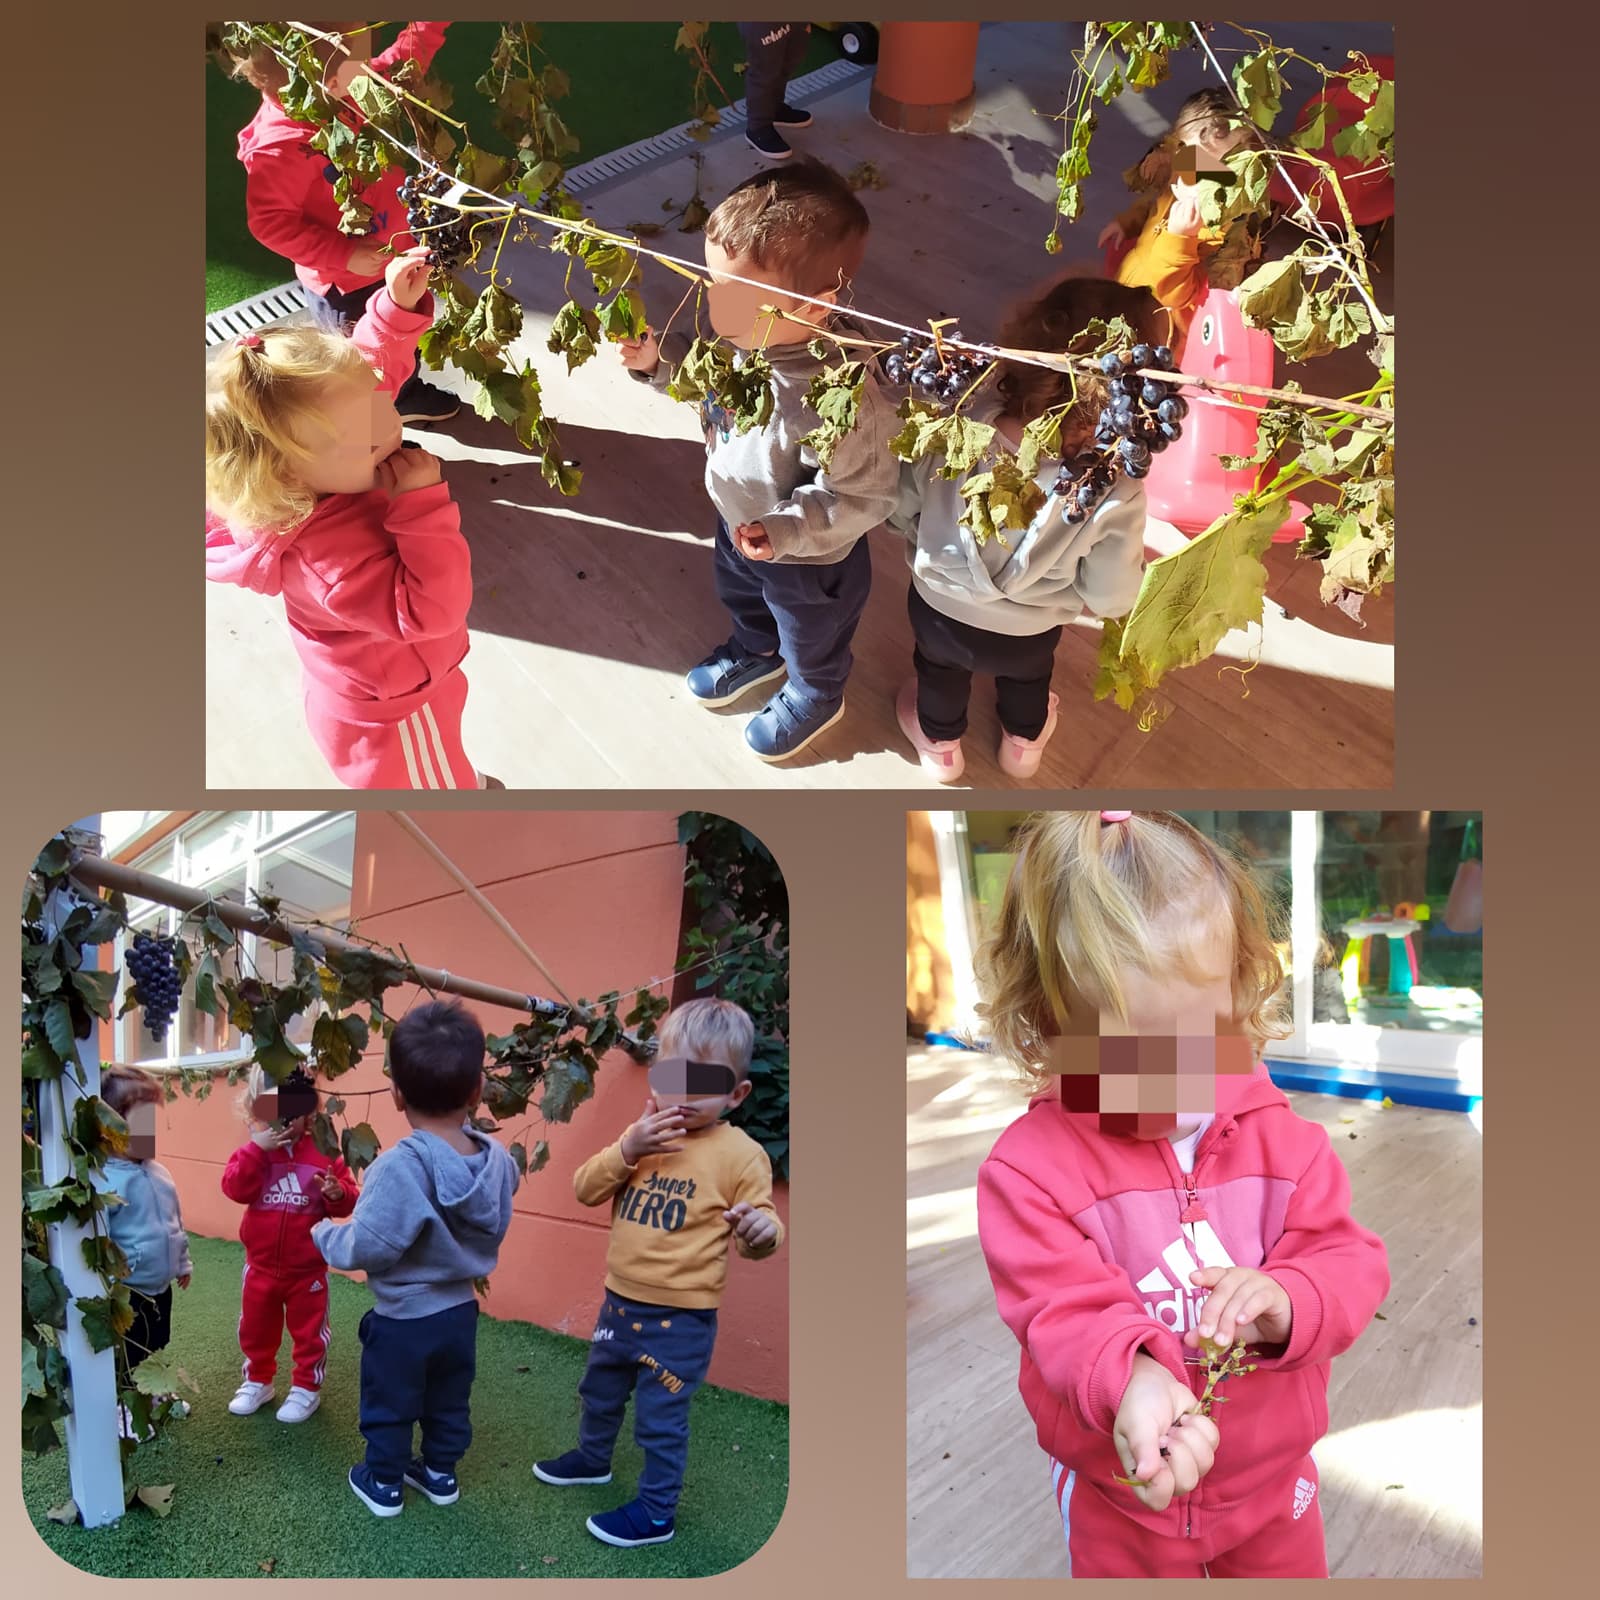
924	77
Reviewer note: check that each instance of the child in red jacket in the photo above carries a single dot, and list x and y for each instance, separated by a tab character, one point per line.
287	1184
1160	1200
311	495
290	205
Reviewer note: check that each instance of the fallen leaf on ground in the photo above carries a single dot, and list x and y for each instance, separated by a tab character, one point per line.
1380	1316
158	1496
67	1511
1388	1104
268	1564
550	1561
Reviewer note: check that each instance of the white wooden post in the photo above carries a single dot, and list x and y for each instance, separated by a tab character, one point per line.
94	1456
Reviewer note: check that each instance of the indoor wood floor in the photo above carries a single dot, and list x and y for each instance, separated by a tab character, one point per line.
1401	1465
588	611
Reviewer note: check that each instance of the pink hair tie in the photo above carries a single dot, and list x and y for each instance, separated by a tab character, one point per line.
247	341
1115	816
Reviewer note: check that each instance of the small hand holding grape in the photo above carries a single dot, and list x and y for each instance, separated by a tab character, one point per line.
407	278
751	541
272	1137
1244	1306
642	354
653	1133
332	1189
755	1228
407	469
1166	1447
1184	217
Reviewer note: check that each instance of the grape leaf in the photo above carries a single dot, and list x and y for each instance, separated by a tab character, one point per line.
44	1293
106	1317
999	499
359	1146
748	392
573	331
622	317
1259	87
1041	438
835	396
567	1084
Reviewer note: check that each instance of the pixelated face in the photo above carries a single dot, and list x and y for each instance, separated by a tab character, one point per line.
735	309
702	1090
357	429
1202	155
1154	1071
141	1120
289	1107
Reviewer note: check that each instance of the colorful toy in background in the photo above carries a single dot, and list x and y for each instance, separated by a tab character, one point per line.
1399	927
1463	911
1187	485
1368	185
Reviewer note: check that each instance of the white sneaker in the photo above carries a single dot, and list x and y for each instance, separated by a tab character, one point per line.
299	1404
250	1398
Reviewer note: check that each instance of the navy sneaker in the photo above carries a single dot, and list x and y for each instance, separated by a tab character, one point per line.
788	116
440	1487
728	671
629	1525
422	402
381	1499
768	142
786	724
573	1467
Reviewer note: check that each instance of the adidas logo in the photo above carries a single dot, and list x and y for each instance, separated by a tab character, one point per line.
1303	1492
285	1194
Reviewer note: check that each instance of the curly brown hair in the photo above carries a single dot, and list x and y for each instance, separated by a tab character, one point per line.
803	222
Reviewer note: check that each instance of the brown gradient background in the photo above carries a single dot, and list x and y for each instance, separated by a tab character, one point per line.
102	708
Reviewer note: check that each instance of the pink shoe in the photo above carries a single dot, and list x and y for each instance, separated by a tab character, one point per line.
941	758
1019	758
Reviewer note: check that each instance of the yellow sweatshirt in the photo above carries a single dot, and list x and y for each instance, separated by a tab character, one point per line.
1171	266
669	1242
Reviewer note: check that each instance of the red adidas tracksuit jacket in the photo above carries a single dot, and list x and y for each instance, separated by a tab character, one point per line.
1090	1239
285	1277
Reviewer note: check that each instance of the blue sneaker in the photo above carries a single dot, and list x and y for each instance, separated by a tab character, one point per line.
786	724
629	1525
440	1487
381	1499
728	671
573	1467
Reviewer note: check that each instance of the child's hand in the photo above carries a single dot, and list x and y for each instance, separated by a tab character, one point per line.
408	469
1244	1306
653	1133
367	260
756	1228
751	541
1110	234
406	277
1160	1438
1184	217
641	355
185	1280
330	1186
272	1138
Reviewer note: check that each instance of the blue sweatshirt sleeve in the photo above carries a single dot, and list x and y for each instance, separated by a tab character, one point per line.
385	1223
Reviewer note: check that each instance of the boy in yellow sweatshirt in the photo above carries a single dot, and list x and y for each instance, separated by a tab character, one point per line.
682	1185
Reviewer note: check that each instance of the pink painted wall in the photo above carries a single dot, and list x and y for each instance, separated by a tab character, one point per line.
598	895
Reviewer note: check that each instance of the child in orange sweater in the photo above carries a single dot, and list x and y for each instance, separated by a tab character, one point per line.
682	1185
1172	247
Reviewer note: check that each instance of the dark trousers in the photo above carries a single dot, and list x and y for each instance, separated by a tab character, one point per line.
151	1330
417	1370
773	50
665	1350
339	310
808	614
949	652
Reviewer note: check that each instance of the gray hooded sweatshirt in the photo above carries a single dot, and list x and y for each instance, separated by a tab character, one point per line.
1034	579
428	1222
768	476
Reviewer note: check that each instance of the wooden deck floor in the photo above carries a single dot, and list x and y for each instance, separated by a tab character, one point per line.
1401	1465
588	611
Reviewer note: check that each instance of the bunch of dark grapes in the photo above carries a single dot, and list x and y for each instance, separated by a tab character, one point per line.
1141	417
155	980
943	376
442	228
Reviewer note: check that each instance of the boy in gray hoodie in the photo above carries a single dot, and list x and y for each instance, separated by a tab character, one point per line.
432	1213
791	562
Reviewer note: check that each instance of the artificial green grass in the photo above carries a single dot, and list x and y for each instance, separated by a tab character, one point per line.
254	1495
627	84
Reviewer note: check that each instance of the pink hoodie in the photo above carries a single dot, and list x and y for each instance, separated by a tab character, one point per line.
289	186
376	589
1084	1238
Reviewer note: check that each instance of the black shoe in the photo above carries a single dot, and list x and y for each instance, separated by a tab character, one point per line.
768	142
422	402
788	116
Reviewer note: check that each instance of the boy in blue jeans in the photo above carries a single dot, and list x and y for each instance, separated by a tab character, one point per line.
432	1213
682	1185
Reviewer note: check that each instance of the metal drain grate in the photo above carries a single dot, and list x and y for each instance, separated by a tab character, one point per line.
589	176
272	306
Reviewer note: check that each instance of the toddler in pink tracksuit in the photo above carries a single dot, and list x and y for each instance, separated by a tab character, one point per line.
312	496
1158	1201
